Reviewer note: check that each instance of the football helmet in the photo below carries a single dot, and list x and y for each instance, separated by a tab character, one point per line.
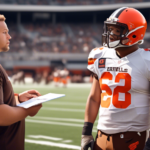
132	27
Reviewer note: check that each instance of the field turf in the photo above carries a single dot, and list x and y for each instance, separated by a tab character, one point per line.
58	125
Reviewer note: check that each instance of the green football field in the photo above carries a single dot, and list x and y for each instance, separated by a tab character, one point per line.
58	125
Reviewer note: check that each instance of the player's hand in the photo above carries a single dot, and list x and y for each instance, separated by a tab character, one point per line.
28	95
87	142
32	111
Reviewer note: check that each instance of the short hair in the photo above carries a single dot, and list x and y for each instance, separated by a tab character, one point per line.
2	18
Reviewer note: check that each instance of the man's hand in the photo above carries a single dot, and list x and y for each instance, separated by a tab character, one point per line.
28	95
87	142
32	111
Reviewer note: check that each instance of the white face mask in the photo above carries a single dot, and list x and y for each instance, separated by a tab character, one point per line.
114	43
117	43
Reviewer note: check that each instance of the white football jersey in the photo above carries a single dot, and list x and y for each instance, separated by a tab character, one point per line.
124	82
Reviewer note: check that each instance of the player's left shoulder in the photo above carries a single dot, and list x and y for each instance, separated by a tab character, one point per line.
147	49
94	55
95	52
145	53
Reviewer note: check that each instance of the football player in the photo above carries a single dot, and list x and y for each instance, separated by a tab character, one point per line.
120	88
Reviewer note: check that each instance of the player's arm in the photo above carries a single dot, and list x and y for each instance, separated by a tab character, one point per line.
93	102
91	111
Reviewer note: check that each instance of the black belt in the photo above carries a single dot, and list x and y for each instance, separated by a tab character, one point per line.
108	135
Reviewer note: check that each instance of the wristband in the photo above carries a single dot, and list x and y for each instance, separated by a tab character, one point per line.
15	94
87	128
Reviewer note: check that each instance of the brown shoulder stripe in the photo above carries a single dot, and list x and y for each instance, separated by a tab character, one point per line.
91	61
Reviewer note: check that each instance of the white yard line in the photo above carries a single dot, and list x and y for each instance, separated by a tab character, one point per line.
67	141
60	119
95	131
49	138
47	143
56	123
45	137
63	109
66	103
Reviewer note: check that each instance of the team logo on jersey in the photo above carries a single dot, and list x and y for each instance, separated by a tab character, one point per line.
101	63
133	146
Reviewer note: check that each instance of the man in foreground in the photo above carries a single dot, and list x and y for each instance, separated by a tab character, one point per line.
12	123
120	89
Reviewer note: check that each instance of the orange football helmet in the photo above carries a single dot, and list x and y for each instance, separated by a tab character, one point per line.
132	26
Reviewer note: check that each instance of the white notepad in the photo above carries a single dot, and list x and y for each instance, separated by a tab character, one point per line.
40	99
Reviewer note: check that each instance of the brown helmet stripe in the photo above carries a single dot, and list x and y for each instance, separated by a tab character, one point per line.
117	13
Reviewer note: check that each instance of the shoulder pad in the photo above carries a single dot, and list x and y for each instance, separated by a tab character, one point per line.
94	54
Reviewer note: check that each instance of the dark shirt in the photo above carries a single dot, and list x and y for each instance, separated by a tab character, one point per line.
11	137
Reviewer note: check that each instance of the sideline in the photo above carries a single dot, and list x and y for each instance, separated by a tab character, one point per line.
52	86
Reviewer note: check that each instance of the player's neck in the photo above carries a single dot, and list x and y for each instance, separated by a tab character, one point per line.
124	51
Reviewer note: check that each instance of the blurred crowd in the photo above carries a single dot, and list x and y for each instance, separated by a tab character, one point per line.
61	38
67	2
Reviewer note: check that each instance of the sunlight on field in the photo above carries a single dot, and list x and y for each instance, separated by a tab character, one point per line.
59	123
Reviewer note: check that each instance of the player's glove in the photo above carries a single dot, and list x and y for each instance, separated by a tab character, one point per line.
87	140
147	145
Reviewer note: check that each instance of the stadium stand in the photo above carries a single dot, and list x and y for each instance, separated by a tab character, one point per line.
61	38
67	2
55	33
